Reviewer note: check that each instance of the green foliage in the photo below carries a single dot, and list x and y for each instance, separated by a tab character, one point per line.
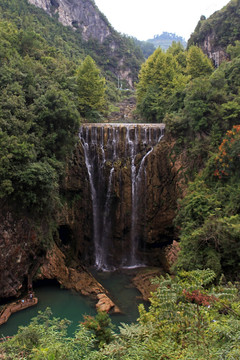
160	83
190	317
146	47
208	217
198	64
210	108
101	326
90	88
234	50
70	43
163	81
38	121
46	339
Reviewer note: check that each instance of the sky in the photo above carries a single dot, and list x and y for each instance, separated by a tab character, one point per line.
145	18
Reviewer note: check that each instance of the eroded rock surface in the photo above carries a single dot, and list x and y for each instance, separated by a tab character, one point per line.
19	253
143	281
80	280
162	183
78	14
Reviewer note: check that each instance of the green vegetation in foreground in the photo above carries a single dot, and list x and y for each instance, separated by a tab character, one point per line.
189	318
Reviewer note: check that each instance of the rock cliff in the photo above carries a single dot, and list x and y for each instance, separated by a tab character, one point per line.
81	14
20	253
214	34
157	203
115	54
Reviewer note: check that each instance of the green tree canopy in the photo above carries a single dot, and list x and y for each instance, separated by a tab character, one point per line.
160	82
198	64
90	88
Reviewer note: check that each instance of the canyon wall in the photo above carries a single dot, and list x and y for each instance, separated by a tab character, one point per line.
21	252
156	194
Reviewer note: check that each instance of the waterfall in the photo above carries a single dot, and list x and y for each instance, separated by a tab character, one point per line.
108	149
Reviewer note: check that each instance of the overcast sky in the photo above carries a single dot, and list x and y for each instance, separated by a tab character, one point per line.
145	18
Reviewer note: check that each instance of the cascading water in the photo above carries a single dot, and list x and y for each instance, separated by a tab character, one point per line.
108	147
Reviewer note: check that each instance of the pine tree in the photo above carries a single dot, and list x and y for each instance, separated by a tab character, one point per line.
198	64
91	88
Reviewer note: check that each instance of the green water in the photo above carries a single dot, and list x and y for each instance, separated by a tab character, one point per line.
123	293
67	304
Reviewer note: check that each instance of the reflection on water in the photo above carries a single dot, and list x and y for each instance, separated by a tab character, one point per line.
72	306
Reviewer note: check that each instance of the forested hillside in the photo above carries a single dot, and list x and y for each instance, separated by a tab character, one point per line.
41	92
217	32
201	109
116	55
164	41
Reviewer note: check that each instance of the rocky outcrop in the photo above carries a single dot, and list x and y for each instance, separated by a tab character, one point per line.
143	281
81	14
214	34
99	38
80	279
215	52
20	252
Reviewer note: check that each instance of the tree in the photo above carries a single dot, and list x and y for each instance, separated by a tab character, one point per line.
160	83
198	64
101	326
90	88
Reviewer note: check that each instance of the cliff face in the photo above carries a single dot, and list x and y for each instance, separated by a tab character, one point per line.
214	51
214	34
20	253
81	14
115	54
155	202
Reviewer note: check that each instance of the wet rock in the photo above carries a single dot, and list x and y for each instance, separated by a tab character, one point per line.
142	281
106	304
162	184
79	280
19	252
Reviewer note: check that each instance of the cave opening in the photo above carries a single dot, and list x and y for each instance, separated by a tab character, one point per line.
65	234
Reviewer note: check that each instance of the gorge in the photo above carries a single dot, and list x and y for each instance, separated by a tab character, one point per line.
120	189
121	198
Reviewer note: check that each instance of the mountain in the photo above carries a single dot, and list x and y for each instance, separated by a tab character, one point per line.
77	28
83	15
221	29
165	40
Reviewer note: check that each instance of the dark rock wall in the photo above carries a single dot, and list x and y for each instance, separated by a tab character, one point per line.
19	253
157	203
